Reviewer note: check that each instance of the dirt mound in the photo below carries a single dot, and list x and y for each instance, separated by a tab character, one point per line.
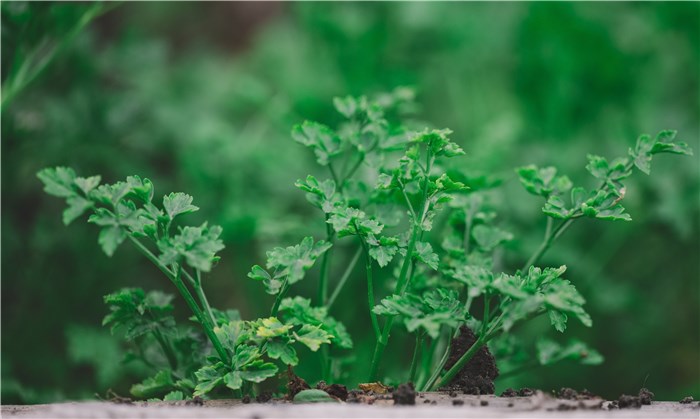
478	374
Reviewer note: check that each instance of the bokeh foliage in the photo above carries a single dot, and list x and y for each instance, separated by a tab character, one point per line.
201	98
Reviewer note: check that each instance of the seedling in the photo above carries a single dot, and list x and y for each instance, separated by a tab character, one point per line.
387	185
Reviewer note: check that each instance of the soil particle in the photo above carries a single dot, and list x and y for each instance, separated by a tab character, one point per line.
587	395
405	394
453	394
509	392
567	393
359	396
478	374
264	397
526	392
245	399
457	402
629	402
433	402
510	404
426	401
338	391
295	384
645	396
484	403
686	400
195	401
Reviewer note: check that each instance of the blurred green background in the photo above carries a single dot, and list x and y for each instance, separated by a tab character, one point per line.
201	98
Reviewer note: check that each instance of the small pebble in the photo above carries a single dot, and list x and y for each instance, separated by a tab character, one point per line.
457	402
484	403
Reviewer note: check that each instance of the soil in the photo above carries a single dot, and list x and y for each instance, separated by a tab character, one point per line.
523	392
338	391
567	393
196	401
478	374
263	397
295	384
686	400
646	396
404	394
633	402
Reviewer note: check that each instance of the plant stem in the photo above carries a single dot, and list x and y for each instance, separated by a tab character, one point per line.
325	267
400	287
344	278
550	237
176	279
414	360
203	298
167	349
370	289
280	296
467	231
440	366
27	73
449	375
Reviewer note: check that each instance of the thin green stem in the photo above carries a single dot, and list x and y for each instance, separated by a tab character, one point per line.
400	288
552	235
280	296
403	281
176	279
467	231
457	367
485	318
334	175
28	72
167	349
345	277
441	364
370	289
203	298
325	267
414	360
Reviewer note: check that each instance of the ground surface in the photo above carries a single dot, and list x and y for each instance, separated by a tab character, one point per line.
539	405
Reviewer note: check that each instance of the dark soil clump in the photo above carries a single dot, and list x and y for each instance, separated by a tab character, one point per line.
686	400
195	401
645	396
405	394
245	399
457	402
263	397
629	402
338	391
509	392
484	403
526	392
295	384
567	393
359	396
478	374
523	392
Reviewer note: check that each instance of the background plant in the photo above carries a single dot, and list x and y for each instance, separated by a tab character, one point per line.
184	104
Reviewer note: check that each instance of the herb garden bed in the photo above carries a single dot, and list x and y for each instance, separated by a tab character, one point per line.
454	302
437	404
